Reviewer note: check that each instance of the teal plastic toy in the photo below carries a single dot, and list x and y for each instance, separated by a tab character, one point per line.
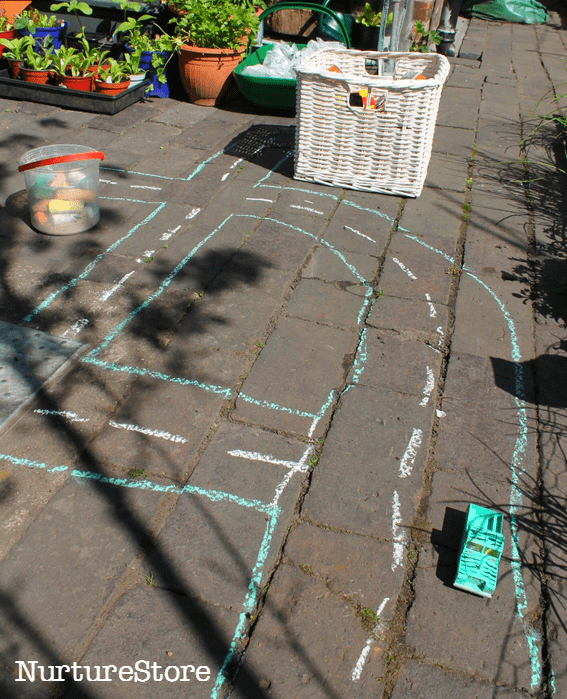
481	548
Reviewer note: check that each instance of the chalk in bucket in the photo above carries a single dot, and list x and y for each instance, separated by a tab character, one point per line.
62	186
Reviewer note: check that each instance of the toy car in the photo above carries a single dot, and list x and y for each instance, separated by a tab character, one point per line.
480	551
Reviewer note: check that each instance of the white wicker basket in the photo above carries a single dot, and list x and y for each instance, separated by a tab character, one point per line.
382	148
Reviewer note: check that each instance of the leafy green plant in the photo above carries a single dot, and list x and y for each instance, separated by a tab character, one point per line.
369	18
16	47
32	20
161	47
113	71
38	56
76	8
423	37
220	24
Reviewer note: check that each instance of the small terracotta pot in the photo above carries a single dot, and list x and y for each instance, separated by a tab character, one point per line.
83	83
111	89
37	77
15	66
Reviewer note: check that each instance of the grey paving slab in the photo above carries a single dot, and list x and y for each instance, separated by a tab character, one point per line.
413	271
382	437
447	172
93	533
328	303
464	76
434	213
348	268
295	377
181	114
488	330
209	550
420	361
177	632
299	618
251	463
356	567
353	229
459	105
453	140
481	426
285	248
411	319
160	442
420	681
124	120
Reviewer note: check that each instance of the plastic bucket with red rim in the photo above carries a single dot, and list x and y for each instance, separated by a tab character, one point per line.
62	187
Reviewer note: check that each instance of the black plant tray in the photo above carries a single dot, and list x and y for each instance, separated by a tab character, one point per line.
70	99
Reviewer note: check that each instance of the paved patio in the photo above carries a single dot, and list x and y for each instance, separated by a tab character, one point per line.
271	402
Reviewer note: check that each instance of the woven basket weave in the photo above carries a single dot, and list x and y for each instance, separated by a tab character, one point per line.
383	145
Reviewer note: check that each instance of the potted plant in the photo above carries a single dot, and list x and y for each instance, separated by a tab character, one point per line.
40	26
367	28
7	30
112	78
37	62
14	52
132	67
210	39
76	70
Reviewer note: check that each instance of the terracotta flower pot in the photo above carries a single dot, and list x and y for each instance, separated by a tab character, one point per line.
204	72
11	34
111	89
15	66
83	83
38	77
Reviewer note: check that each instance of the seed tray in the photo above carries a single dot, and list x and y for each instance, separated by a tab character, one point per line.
70	99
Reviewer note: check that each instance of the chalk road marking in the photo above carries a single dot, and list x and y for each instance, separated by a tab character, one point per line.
401	265
348	228
398	534
69	414
439	331
108	181
271	201
107	294
357	670
192	213
406	464
428	388
144	186
171	231
227	175
77	327
432	311
306	208
145	430
266	458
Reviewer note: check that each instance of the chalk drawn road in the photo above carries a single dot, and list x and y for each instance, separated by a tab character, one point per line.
282	345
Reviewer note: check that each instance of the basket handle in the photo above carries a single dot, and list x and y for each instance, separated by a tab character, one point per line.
90	155
314	7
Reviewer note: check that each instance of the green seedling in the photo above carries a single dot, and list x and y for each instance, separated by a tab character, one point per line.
306	569
137	473
313	460
455	271
150	580
147	260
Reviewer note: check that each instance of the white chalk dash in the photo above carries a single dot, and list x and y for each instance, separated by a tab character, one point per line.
398	536
268	459
357	670
107	294
69	414
171	231
77	327
439	331
108	181
408	459
145	430
225	176
144	186
348	228
192	213
440	413
271	201
306	208
428	388
401	265
432	311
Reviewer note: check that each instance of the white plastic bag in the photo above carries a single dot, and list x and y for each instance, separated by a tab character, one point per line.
282	58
